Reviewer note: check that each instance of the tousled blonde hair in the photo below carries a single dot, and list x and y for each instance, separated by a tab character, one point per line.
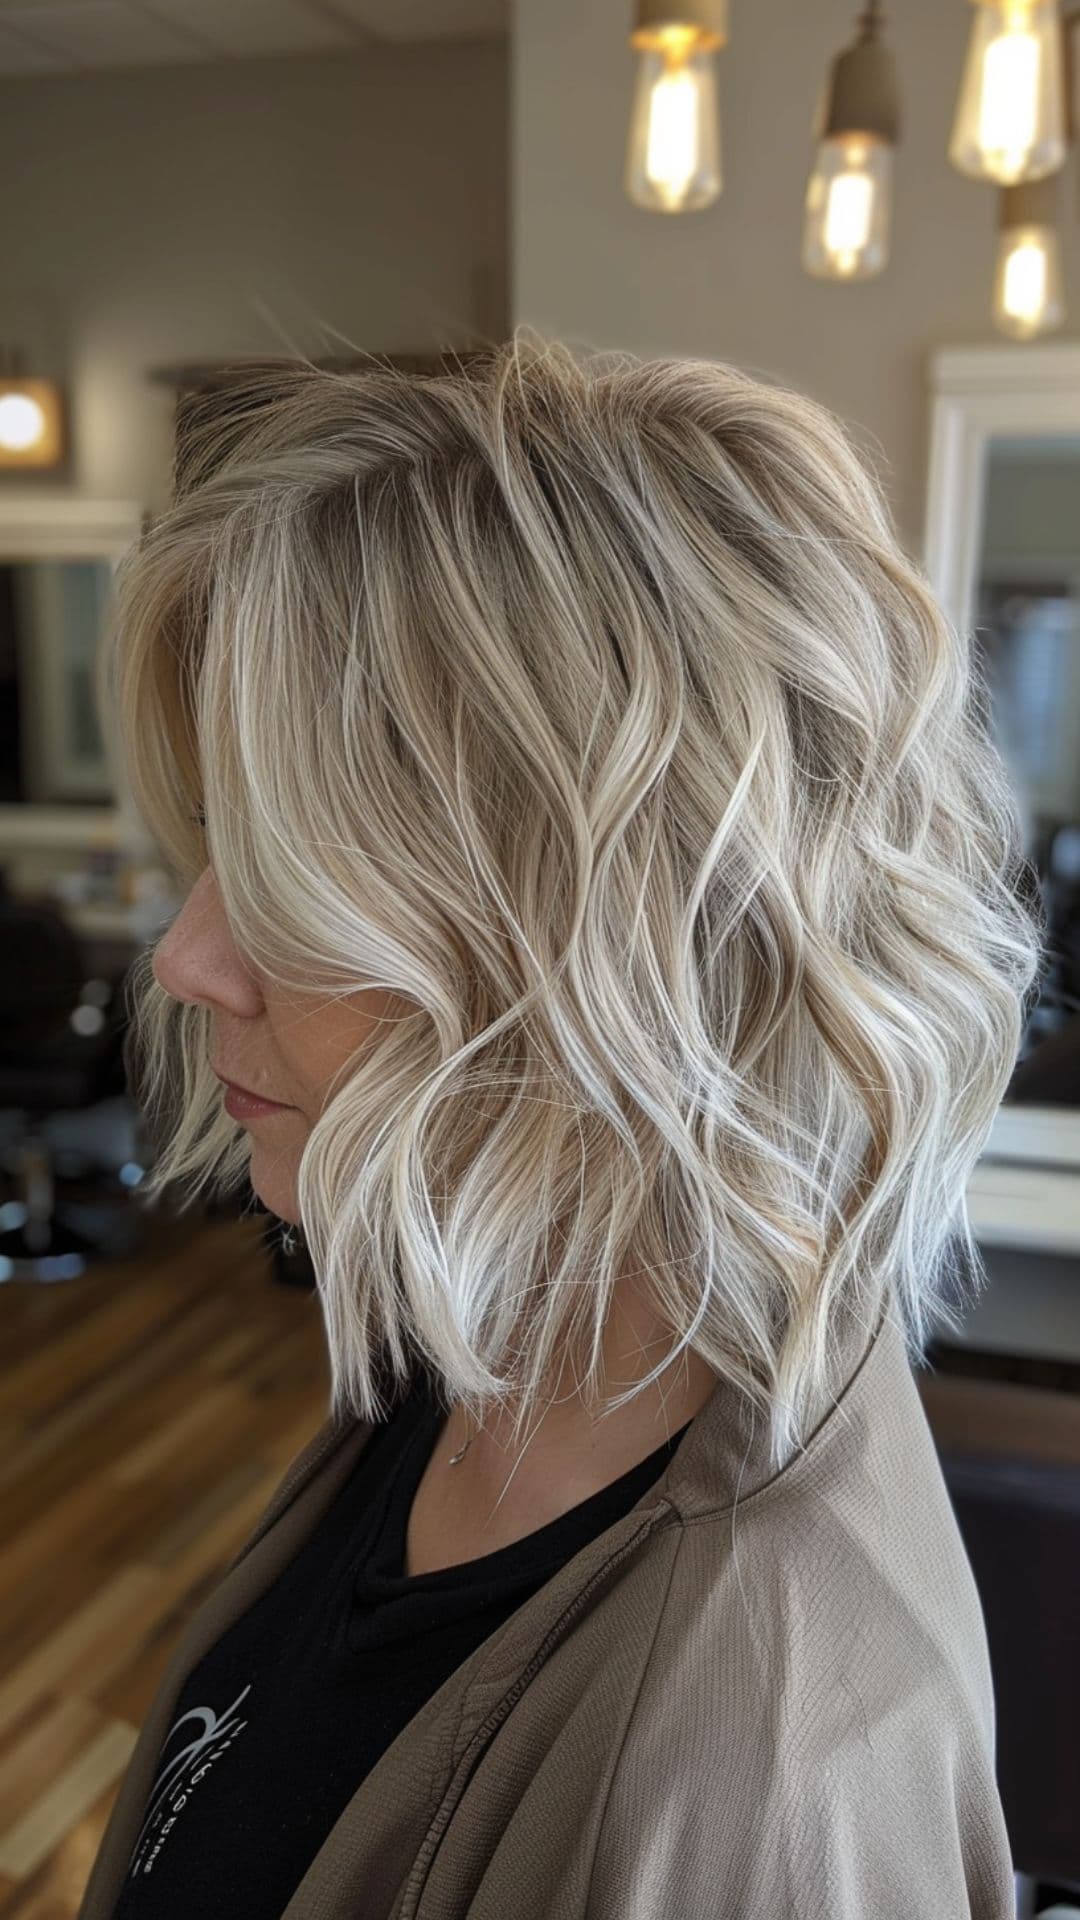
591	706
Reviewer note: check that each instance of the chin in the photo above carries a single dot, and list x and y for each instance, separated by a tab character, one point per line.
277	1194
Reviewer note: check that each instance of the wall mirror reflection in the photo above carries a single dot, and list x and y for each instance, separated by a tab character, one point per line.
1027	631
52	621
69	833
1002	553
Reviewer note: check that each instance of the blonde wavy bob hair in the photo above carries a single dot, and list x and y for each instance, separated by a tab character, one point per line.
591	706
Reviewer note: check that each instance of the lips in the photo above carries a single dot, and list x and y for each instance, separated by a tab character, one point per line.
249	1091
245	1106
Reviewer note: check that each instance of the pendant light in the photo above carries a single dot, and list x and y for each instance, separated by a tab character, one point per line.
1028	295
1010	115
673	150
849	193
31	417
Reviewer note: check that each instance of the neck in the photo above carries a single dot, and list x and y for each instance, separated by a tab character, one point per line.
498	1493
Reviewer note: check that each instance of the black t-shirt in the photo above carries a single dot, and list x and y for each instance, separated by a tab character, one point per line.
277	1726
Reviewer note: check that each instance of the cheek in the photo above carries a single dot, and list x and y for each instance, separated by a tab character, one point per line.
318	1045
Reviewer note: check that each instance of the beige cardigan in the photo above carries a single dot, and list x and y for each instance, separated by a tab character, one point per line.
775	1707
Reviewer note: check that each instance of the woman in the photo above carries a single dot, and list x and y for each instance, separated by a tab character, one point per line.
598	857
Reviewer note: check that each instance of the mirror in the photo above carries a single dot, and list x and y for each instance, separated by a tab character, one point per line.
1027	633
69	829
1002	553
52	617
59	784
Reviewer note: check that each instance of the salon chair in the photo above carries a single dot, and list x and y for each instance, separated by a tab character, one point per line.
1010	1456
61	1049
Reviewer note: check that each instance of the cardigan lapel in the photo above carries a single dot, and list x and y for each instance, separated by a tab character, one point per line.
384	1840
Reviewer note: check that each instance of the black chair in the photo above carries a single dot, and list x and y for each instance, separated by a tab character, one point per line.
1010	1456
61	1048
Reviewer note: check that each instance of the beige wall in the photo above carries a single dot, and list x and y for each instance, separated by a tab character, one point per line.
186	213
726	283
193	212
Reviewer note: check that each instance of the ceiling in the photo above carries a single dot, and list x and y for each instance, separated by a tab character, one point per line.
73	36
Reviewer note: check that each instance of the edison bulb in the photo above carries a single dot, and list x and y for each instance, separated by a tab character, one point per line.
673	152
848	202
1010	116
1028	297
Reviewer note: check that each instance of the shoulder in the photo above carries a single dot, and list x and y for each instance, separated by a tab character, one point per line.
812	1733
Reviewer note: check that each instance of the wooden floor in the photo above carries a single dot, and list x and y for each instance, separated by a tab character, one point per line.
147	1412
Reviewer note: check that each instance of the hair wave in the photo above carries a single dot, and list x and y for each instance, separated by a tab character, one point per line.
591	706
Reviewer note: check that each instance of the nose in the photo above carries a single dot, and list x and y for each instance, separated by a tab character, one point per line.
196	959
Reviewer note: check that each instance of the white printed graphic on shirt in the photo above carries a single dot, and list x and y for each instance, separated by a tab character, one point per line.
179	1776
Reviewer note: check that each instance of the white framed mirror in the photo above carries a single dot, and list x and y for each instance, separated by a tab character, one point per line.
1002	552
69	829
58	554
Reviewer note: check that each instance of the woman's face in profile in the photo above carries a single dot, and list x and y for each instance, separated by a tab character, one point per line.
262	1040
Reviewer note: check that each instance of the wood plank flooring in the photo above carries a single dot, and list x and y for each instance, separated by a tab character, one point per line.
148	1410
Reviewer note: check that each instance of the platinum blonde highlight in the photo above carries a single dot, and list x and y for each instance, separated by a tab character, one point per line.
591	706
